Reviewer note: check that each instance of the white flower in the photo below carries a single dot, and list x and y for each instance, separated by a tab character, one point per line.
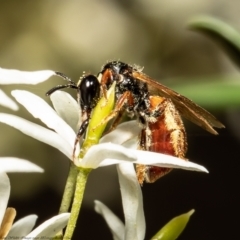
63	136
23	227
11	76
135	226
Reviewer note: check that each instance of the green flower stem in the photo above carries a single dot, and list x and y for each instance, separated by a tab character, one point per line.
78	176
93	135
68	194
69	189
77	201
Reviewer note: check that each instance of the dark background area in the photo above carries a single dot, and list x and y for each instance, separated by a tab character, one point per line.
78	36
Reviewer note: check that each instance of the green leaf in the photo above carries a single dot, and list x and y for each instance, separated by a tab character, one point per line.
173	228
221	32
219	92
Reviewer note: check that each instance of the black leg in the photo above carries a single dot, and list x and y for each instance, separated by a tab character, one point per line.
80	133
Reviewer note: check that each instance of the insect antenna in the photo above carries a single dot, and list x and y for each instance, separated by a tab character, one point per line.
71	84
65	77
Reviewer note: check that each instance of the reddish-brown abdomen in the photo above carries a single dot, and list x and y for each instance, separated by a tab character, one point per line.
163	134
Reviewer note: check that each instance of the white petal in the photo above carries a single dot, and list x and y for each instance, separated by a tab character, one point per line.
66	107
114	223
40	109
7	102
11	76
122	133
22	227
163	160
38	132
12	164
4	193
49	228
135	226
105	154
131	143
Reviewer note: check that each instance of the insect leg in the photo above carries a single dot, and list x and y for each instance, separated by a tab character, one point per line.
80	133
106	79
126	97
116	121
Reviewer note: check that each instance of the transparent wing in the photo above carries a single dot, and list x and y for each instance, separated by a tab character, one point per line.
186	107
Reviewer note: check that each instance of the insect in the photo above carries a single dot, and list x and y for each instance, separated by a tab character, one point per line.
157	109
88	92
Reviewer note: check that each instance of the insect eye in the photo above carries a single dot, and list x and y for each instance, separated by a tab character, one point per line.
89	90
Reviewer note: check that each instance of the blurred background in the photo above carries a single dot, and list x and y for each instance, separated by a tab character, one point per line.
76	36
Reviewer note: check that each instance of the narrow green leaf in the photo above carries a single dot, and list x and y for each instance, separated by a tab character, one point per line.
219	92
221	32
173	228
